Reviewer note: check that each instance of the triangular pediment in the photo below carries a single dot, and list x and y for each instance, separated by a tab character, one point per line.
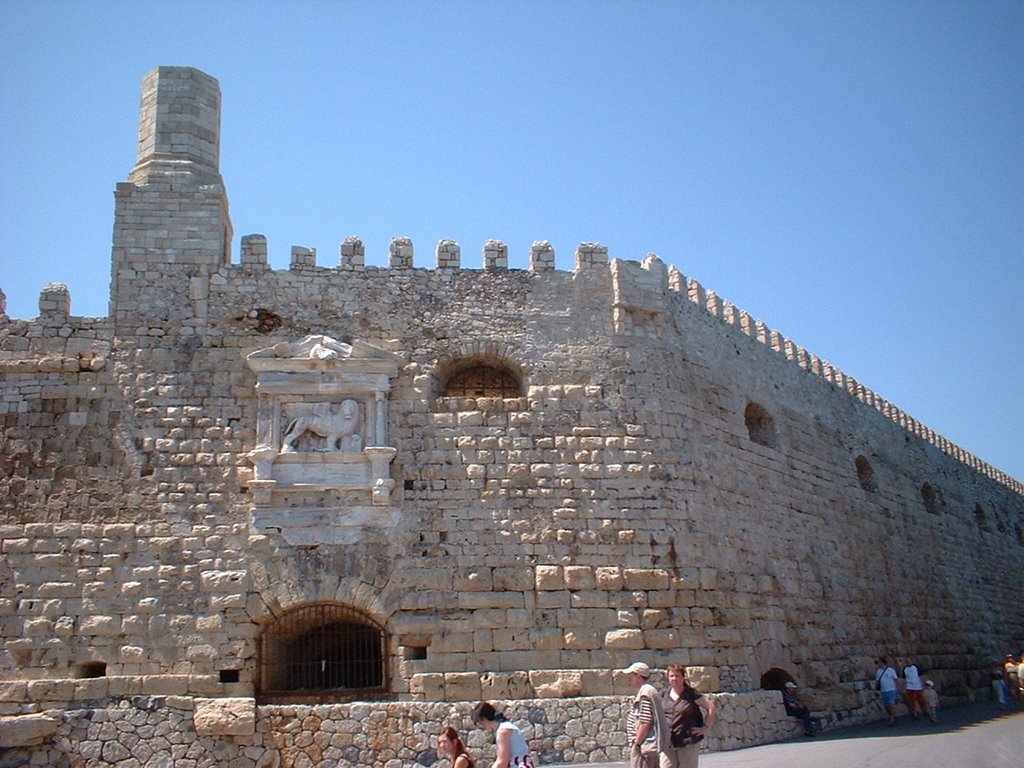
318	351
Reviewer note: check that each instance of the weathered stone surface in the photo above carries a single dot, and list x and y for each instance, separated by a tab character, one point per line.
556	684
26	730
225	717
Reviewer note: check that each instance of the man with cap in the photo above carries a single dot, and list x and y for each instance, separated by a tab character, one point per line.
645	725
796	708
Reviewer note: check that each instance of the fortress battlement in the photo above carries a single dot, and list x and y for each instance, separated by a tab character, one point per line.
660	285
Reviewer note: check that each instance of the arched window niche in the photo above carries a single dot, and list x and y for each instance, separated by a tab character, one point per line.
865	474
322	652
760	425
480	382
775	679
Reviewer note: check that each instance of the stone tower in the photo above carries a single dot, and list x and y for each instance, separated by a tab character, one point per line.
174	208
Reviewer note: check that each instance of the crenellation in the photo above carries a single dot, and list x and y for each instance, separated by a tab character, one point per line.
448	254
590	255
353	253
400	253
695	293
713	304
254	251
542	256
303	258
495	255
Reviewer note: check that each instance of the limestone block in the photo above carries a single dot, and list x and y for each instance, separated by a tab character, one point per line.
91	688
549	577
591	598
505	685
64	626
225	717
512	579
27	730
704	678
428	686
483	641
13	690
708	578
701	617
427	579
624	639
59	589
547	639
559	599
165	685
551	684
462	686
579	577
222	581
597	682
475	580
661	639
38	628
51	690
646	578
608	578
452	642
655	619
107	626
494	618
584	638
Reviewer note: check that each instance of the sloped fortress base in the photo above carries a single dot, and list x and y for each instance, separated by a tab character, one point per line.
263	517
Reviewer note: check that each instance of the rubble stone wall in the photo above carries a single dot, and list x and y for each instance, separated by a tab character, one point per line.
181	732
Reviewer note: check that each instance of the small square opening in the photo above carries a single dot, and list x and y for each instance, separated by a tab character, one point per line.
414	652
229	676
91	669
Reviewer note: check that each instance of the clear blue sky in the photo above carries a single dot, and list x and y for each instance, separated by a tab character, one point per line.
852	173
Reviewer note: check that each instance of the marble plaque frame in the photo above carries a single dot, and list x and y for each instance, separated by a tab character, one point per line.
304	452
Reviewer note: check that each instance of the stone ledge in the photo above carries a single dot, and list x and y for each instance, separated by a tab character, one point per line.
27	730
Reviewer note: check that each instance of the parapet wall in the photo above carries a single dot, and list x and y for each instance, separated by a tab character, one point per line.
54	318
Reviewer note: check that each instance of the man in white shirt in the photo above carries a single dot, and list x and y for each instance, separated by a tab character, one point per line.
886	679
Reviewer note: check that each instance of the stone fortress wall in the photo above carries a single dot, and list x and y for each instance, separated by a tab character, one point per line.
674	482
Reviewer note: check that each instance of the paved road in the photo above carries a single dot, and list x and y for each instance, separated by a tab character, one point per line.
970	736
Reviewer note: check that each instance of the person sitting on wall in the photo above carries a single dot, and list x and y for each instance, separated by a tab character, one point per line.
796	708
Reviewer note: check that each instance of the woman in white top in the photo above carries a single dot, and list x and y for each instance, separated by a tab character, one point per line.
513	751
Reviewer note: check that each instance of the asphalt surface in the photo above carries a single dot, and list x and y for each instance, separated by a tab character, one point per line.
968	736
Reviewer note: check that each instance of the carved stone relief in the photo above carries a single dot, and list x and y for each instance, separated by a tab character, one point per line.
322	459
